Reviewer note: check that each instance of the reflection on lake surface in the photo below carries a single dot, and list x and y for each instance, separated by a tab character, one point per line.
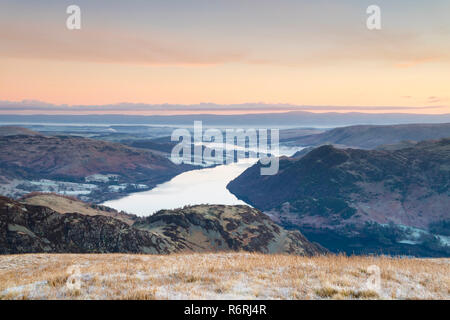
189	188
203	186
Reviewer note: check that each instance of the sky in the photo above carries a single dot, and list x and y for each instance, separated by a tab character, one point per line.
225	55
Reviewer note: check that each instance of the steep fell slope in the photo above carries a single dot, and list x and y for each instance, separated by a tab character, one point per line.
335	194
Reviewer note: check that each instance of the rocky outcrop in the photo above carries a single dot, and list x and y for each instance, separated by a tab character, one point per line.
226	228
26	228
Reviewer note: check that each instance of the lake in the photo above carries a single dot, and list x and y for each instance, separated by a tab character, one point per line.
203	186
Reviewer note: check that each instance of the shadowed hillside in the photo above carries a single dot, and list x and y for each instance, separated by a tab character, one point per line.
358	200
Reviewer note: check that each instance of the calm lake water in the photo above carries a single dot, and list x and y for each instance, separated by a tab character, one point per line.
203	186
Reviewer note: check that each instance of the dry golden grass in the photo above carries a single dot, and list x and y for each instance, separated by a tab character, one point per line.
219	276
66	204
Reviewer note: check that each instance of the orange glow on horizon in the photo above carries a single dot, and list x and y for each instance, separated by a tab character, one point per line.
276	53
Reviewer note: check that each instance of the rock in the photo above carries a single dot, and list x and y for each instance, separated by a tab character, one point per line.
226	228
26	228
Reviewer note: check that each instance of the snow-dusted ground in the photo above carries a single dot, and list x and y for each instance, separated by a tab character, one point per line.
414	235
221	276
17	188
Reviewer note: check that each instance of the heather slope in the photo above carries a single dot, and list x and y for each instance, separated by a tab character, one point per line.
91	169
76	157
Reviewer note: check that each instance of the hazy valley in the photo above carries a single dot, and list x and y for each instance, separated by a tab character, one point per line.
387	195
391	200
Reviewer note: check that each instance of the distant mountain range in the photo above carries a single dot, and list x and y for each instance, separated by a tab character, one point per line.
276	120
371	136
6	131
362	201
81	228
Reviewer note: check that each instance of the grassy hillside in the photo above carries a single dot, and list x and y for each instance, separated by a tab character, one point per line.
221	276
65	204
